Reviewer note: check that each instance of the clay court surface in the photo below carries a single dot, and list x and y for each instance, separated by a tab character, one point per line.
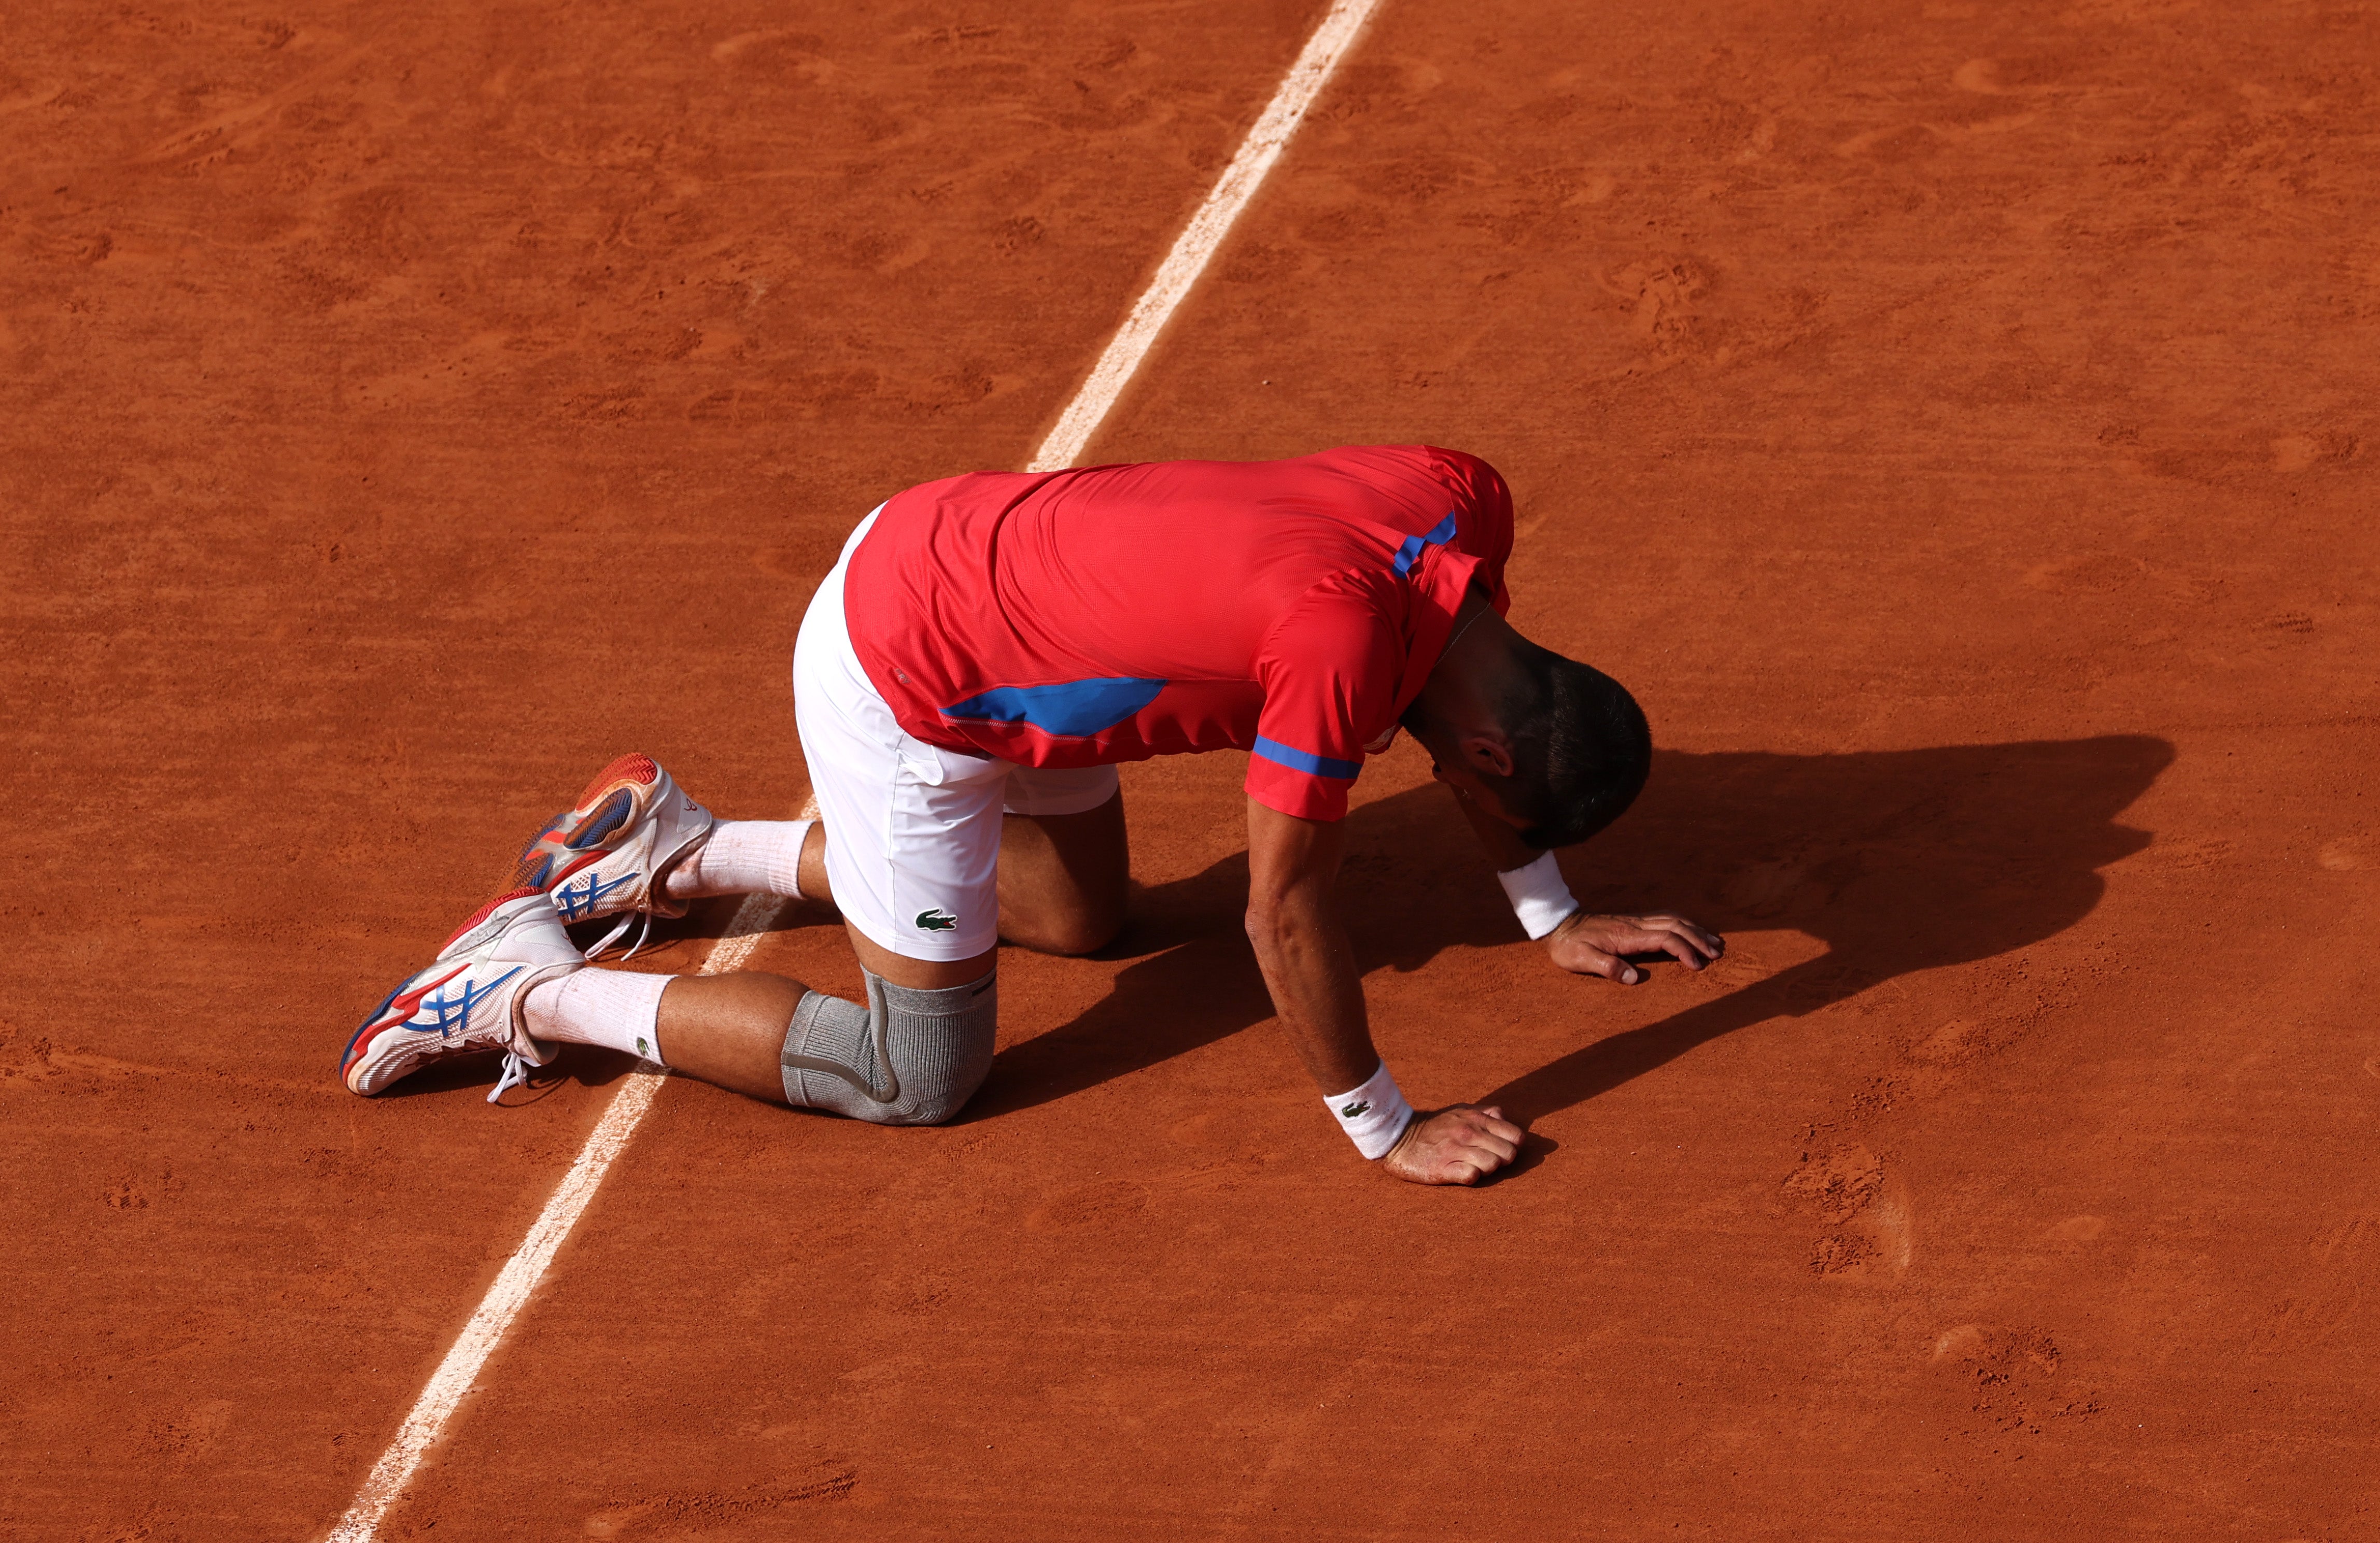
1956	423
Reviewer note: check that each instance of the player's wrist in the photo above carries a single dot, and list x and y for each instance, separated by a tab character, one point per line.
1540	897
1374	1114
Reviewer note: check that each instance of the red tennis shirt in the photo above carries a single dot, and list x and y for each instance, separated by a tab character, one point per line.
1290	609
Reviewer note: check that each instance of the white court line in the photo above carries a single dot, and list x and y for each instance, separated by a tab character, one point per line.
1265	142
526	1267
1204	233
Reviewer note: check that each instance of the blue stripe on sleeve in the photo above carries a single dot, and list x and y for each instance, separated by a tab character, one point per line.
1300	760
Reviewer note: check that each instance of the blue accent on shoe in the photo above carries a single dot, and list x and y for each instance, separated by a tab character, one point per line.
1066	709
609	815
1306	760
1410	552
453	1014
577	899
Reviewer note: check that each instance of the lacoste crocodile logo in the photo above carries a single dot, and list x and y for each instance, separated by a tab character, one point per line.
1353	1109
936	920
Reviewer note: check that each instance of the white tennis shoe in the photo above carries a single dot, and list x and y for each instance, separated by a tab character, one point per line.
604	856
468	1001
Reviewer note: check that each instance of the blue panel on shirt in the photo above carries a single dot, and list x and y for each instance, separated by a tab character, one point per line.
1071	709
1410	552
1301	760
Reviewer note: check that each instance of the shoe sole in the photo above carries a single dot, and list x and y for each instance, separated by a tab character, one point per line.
610	806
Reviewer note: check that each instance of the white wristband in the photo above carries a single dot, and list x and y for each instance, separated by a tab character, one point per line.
1373	1116
1538	894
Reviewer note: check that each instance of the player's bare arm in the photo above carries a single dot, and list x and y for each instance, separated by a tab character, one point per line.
1308	965
1310	968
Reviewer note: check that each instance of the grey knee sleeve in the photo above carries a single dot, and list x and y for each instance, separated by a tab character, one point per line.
908	1057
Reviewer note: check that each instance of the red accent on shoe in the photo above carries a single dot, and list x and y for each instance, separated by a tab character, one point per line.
481	915
631	767
399	1009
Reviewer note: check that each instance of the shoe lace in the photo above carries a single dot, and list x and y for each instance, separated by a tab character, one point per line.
643	934
516	1075
644	920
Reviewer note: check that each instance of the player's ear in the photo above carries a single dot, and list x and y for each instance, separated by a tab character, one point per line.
1489	754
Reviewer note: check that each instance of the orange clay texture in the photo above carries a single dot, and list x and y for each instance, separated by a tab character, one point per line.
1954	421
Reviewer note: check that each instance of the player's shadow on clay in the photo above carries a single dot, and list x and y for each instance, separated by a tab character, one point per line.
1898	861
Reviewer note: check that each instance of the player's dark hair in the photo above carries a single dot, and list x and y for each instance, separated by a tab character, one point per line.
1580	748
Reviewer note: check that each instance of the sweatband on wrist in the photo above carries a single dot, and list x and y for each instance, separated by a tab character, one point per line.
1373	1116
1539	895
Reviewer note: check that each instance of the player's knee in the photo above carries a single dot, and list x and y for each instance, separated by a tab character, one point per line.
937	1073
909	1057
1074	936
938	1106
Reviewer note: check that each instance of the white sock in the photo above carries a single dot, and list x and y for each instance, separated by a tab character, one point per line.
617	1009
744	857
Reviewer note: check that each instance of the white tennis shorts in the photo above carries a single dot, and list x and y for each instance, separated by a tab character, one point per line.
912	829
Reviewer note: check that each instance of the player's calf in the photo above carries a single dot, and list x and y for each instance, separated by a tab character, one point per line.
909	1057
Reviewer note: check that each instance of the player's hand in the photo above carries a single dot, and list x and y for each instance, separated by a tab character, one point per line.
1461	1145
1594	945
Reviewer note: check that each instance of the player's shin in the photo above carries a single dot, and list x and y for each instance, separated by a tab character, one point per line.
726	1030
